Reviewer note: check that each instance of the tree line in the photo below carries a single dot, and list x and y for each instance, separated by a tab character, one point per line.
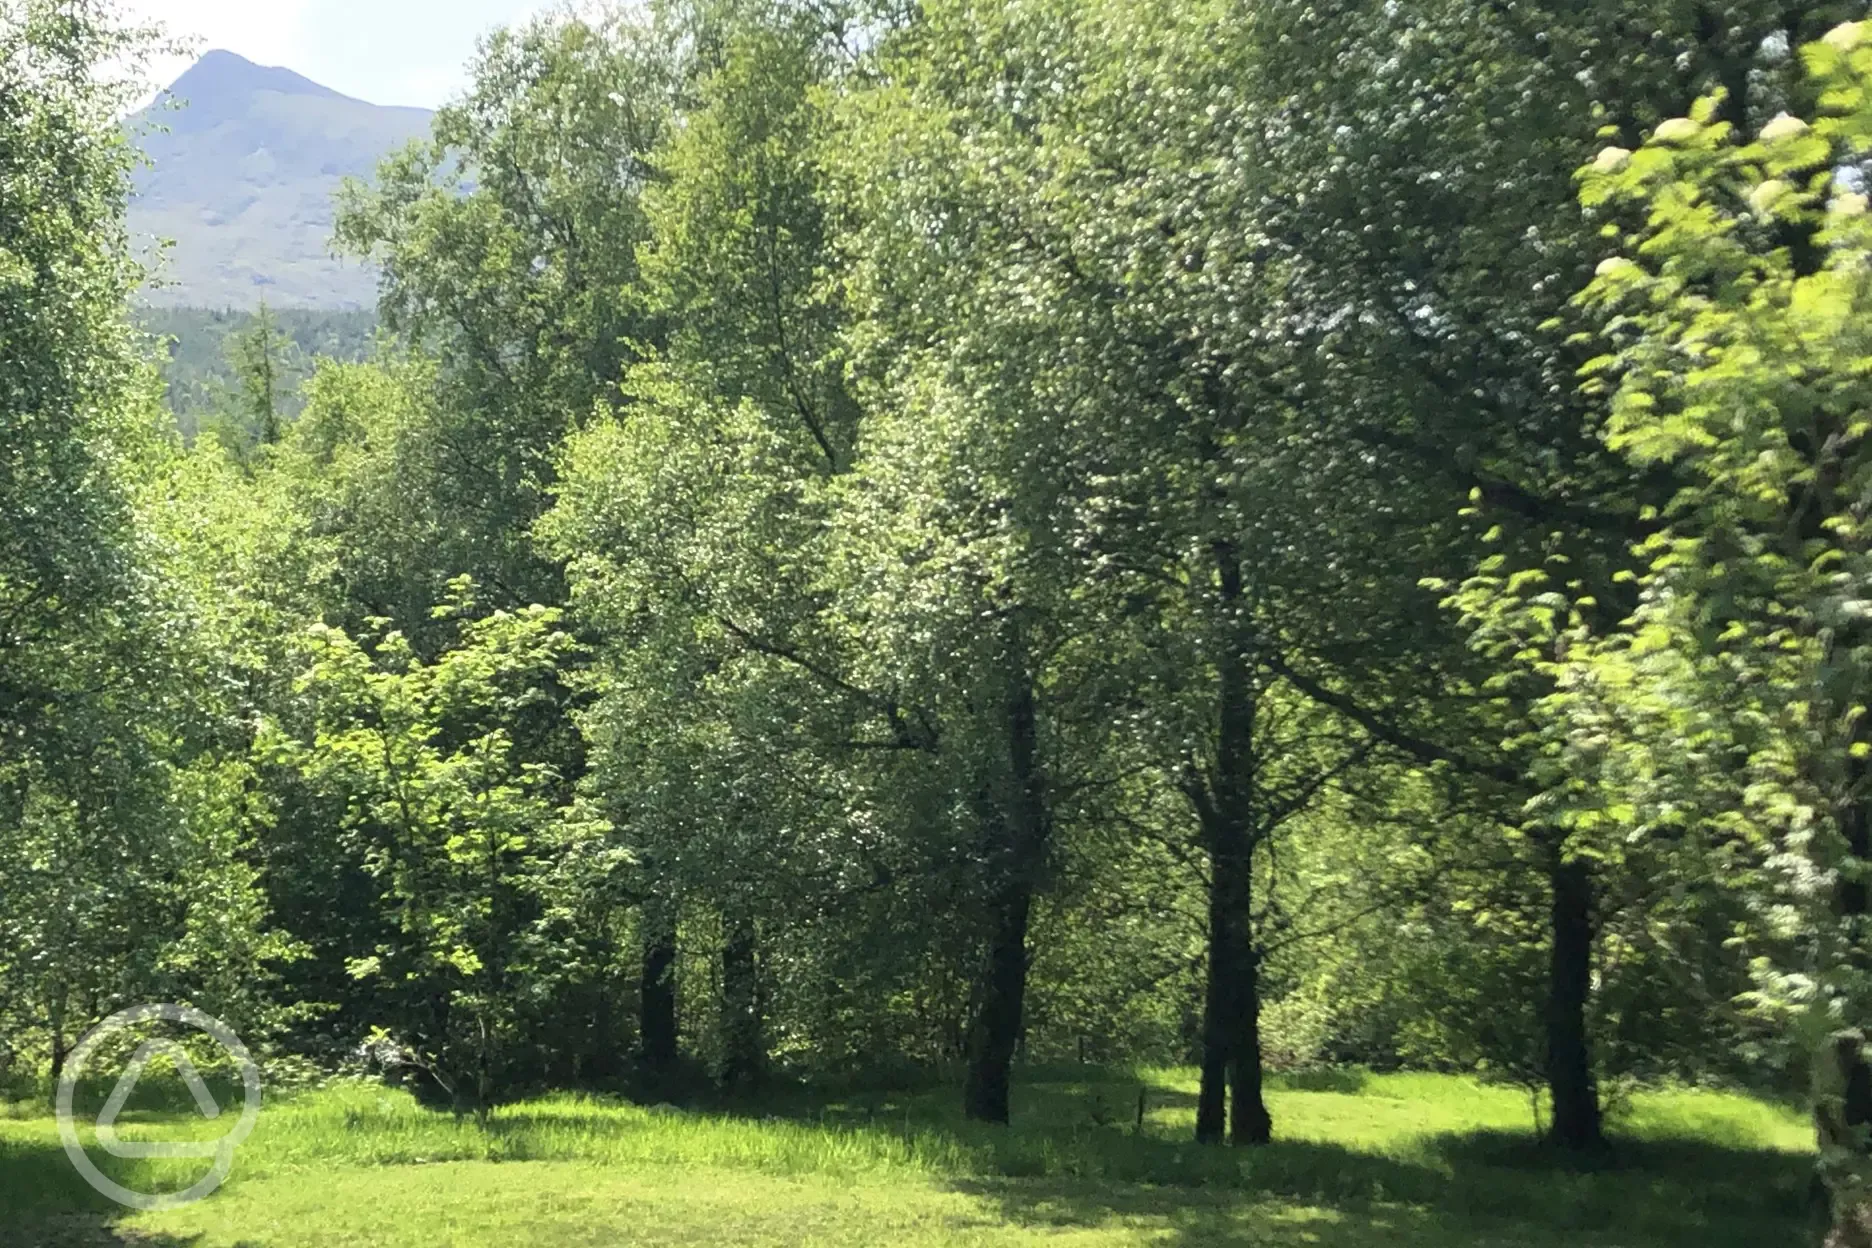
975	532
213	359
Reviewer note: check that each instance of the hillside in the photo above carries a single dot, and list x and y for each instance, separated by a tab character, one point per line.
242	178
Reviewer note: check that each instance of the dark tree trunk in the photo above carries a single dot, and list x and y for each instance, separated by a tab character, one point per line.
743	1050
657	996
1845	1125
1231	1065
1223	998
56	1019
1212	1093
1249	1120
1569	1053
602	1056
1841	1126
1019	827
996	1031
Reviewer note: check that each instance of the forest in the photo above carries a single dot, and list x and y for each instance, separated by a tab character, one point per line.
931	538
215	362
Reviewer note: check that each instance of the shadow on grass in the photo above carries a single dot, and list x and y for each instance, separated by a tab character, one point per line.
1074	1162
80	1230
1071	1163
1341	1079
1054	1094
1470	1189
1063	1169
44	1203
1209	1218
1704	1181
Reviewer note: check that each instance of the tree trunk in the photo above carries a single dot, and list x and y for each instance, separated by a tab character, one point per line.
1842	1112
1018	841
1231	1065
743	1051
997	1027
1222	1004
1249	1120
60	1050
657	996
1576	1123
1843	1104
1212	1093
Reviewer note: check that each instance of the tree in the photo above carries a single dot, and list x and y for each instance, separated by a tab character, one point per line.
509	251
1021	262
462	831
259	358
1721	715
124	833
70	405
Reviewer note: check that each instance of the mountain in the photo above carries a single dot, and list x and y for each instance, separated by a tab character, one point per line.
242	177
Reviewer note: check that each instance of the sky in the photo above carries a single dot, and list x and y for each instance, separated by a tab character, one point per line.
385	51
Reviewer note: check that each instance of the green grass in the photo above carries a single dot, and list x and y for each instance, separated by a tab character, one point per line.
1412	1161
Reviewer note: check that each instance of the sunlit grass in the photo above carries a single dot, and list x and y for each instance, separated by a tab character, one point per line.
1379	1159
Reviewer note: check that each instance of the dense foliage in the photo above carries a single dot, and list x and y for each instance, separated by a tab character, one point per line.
965	533
198	349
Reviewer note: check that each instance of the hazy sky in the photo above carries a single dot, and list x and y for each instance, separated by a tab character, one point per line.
384	51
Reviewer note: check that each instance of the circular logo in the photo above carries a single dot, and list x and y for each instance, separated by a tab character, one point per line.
222	1150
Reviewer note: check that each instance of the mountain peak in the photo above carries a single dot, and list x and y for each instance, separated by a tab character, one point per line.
242	175
221	77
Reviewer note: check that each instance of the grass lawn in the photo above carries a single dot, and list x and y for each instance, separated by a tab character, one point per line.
1412	1161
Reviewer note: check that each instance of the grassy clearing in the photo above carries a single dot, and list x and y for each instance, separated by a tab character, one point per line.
1406	1160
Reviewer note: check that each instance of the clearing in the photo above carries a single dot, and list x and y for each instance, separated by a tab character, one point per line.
1404	1160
